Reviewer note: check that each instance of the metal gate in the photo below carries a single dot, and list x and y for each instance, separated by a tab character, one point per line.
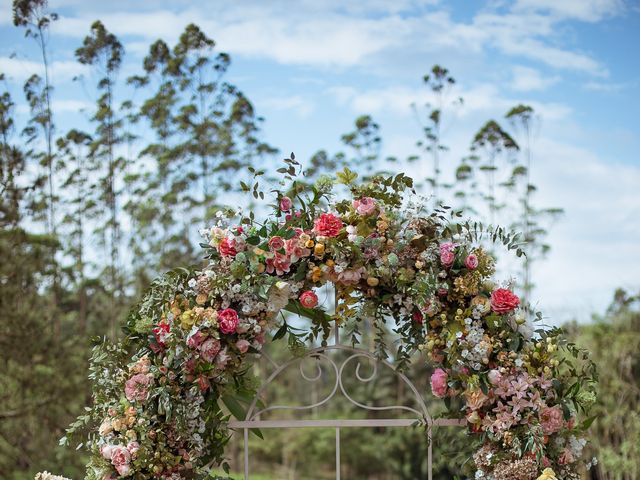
416	414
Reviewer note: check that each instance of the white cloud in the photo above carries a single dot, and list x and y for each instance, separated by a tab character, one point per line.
585	10
526	79
6	15
485	99
297	104
338	34
607	86
595	244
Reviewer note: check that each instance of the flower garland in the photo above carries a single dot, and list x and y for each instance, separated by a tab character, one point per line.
158	410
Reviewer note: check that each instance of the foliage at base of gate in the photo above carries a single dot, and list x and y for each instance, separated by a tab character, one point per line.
157	398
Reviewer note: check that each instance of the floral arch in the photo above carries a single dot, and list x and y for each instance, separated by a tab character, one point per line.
158	394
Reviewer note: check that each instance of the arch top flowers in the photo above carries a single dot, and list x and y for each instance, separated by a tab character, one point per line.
158	411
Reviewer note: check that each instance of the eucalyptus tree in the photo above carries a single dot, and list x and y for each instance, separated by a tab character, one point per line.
80	208
204	98
103	51
366	142
439	82
35	17
154	193
493	143
531	220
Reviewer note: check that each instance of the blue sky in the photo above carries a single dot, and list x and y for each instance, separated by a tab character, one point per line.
311	67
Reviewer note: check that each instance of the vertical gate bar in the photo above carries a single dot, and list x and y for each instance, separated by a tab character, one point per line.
246	454
430	454
337	453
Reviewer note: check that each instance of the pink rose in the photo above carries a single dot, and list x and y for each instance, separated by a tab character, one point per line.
566	457
447	254
494	377
105	451
196	339
243	345
120	458
209	349
328	225
365	206
228	320
286	204
227	247
471	262
439	383
222	359
551	420
309	299
276	243
136	388
133	448
503	301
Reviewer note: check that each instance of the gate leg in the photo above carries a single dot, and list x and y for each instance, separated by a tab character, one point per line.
246	454
430	454
337	453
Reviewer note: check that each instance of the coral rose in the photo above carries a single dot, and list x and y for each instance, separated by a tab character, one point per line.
228	320
276	243
227	247
309	299
327	225
439	383
504	301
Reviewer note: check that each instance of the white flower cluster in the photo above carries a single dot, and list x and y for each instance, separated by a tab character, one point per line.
49	476
476	347
576	445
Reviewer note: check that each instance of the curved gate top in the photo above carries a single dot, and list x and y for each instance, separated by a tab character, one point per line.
411	413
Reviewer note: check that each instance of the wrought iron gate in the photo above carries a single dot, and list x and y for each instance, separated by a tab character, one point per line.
412	414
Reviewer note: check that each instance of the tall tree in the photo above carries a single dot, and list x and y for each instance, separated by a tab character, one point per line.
531	221
103	51
365	141
495	143
80	207
439	83
34	16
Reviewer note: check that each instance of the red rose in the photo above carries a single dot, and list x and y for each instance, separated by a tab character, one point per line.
328	225
309	299
418	317
227	247
228	320
504	301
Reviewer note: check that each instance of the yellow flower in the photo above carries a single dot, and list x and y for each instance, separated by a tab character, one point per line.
372	281
309	244
319	249
316	274
548	474
201	299
187	319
